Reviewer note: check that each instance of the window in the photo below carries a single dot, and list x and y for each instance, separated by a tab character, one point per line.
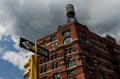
91	78
43	69
71	72
108	66
54	45
99	64
52	57
44	60
65	33
67	51
44	78
82	32
56	56
44	42
71	62
54	66
41	61
53	38
67	40
57	65
83	39
111	77
87	61
90	72
56	76
74	78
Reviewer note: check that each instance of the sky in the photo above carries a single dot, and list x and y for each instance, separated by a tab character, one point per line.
30	18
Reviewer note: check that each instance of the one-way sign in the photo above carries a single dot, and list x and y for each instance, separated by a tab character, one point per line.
31	47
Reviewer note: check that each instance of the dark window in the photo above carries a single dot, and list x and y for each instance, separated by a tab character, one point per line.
71	72
56	76
43	69
99	64
108	66
71	62
52	57
90	72
87	61
44	60
57	65
67	51
67	40
53	45
82	32
53	66
65	33
111	77
91	78
41	61
74	78
44	42
44	78
94	43
53	38
83	39
56	56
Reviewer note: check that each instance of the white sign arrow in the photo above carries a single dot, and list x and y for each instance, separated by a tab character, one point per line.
28	45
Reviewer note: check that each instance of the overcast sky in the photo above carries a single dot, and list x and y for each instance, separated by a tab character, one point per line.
33	19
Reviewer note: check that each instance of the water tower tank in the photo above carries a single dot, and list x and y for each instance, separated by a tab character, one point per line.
70	10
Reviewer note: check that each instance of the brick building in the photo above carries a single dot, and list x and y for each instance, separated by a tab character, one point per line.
78	53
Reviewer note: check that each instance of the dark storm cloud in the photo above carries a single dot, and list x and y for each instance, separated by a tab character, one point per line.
35	19
107	20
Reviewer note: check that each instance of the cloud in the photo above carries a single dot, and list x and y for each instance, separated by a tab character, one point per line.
29	19
17	59
14	58
7	43
33	19
1	78
26	18
11	52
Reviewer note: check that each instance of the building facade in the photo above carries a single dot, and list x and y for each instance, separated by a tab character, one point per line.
78	53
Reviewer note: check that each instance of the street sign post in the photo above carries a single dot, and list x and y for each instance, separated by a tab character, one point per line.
38	50
31	47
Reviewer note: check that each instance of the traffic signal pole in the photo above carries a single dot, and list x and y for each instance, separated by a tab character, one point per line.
36	62
32	65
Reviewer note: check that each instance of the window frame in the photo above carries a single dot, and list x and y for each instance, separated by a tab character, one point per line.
66	32
71	72
53	38
67	40
71	62
56	76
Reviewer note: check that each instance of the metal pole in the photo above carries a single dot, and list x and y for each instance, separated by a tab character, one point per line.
36	62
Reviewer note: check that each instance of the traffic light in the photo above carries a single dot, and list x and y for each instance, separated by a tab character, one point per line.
31	66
